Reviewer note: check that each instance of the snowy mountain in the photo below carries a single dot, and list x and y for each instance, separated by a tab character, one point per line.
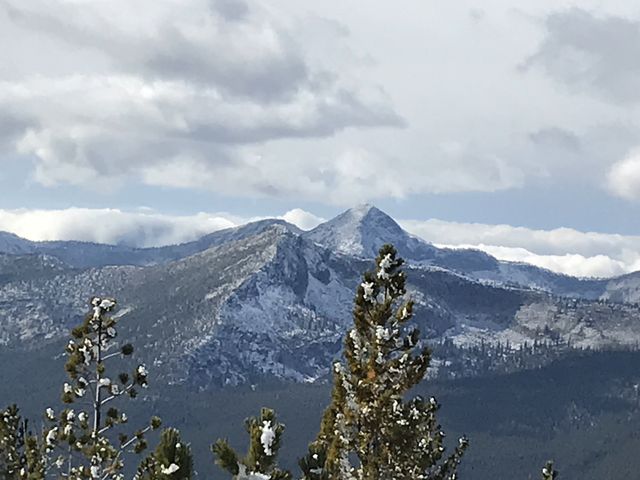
10	243
625	288
268	304
86	254
267	301
362	230
357	232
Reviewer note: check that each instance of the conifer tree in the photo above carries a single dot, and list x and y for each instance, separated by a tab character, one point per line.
21	455
11	443
370	420
265	435
548	473
171	460
78	444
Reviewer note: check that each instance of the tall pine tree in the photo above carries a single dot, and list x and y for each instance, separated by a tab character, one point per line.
22	454
80	443
371	430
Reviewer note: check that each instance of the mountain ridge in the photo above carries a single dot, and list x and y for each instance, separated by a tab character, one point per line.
359	231
276	304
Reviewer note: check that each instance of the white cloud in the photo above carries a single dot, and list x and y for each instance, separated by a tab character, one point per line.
141	228
111	226
570	264
302	219
624	177
563	250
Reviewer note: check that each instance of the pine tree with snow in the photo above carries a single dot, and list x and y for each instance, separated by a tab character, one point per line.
371	430
11	443
171	460
548	473
265	434
21	454
78	443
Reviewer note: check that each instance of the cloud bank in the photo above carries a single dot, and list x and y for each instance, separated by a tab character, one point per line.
563	250
143	228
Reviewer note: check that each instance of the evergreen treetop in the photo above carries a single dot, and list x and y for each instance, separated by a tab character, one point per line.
171	460
548	473
265	435
369	419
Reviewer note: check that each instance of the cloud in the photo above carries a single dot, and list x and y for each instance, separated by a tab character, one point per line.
562	250
241	51
309	102
624	177
556	137
596	52
302	219
111	226
188	95
600	266
141	228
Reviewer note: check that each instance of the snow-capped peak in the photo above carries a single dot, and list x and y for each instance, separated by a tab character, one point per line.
362	230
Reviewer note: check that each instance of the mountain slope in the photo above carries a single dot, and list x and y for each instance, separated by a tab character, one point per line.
276	305
88	254
232	312
356	232
361	231
15	245
623	289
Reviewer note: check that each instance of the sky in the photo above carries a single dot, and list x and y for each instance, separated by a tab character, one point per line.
513	127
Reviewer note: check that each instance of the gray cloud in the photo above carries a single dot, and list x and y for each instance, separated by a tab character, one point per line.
11	127
556	137
598	52
222	44
300	100
231	9
477	14
181	96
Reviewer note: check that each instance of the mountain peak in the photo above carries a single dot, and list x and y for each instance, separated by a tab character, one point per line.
360	231
361	209
372	220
